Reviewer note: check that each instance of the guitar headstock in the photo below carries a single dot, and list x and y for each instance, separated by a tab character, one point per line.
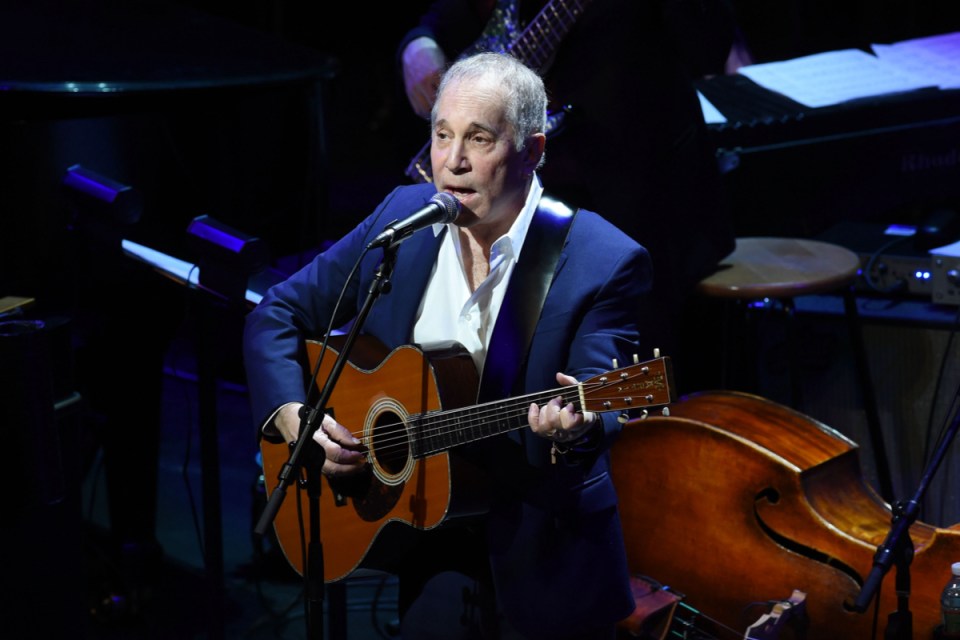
643	385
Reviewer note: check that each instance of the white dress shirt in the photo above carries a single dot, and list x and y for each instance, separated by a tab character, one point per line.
449	310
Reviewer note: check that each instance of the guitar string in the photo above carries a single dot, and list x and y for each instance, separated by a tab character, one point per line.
527	50
439	422
397	449
394	446
551	37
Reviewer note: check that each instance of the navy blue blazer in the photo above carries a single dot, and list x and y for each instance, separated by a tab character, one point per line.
553	530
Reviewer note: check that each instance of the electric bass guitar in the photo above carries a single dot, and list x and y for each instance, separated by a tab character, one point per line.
413	407
534	46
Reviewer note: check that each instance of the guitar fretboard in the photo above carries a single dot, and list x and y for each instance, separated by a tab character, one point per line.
538	42
436	432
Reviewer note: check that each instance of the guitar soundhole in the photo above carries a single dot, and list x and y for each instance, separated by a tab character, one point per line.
390	447
377	493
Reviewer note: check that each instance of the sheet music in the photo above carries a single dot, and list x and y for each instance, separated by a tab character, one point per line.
711	115
936	58
833	77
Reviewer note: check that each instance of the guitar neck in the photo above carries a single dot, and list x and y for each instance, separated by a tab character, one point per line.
441	431
640	386
539	41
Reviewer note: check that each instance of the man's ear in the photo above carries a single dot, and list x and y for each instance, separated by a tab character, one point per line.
533	151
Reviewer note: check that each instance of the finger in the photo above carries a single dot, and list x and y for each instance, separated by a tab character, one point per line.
533	416
338	444
554	412
571	420
339	460
567	416
345	466
540	422
287	421
339	433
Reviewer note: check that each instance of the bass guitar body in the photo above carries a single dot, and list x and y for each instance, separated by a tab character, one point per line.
735	501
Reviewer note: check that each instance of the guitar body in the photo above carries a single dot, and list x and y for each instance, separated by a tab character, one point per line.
412	410
366	522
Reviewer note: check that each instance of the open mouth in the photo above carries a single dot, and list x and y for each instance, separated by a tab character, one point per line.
460	193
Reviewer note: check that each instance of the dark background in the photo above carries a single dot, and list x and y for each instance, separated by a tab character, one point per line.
286	120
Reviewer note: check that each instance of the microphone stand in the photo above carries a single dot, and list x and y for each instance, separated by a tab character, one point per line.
310	420
898	548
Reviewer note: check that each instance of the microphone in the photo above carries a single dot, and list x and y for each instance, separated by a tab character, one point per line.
442	208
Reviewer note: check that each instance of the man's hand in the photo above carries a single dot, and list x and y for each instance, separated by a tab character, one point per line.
344	454
423	64
557	422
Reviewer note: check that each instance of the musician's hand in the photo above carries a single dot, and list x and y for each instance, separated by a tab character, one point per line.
423	64
557	422
344	453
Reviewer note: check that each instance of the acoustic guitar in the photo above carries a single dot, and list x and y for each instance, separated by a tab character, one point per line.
412	407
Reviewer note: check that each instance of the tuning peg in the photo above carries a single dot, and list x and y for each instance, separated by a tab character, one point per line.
623	418
665	411
616	365
636	359
656	352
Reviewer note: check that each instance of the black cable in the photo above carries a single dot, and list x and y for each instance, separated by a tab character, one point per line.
326	336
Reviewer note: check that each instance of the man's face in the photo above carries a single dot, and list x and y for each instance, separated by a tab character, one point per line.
474	157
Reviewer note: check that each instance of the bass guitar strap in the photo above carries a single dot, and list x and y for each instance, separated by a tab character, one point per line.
520	311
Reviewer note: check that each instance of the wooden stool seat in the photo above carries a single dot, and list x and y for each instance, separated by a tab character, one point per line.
781	268
784	268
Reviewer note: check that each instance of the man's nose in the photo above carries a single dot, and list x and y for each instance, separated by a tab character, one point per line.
456	159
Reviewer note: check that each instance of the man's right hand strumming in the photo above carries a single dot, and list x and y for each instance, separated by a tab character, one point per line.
344	454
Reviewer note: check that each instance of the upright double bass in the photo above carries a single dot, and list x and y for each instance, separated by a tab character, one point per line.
735	501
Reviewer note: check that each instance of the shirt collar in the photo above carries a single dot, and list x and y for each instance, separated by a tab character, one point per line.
511	242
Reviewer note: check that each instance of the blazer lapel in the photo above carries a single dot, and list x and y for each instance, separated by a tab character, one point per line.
396	311
539	261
